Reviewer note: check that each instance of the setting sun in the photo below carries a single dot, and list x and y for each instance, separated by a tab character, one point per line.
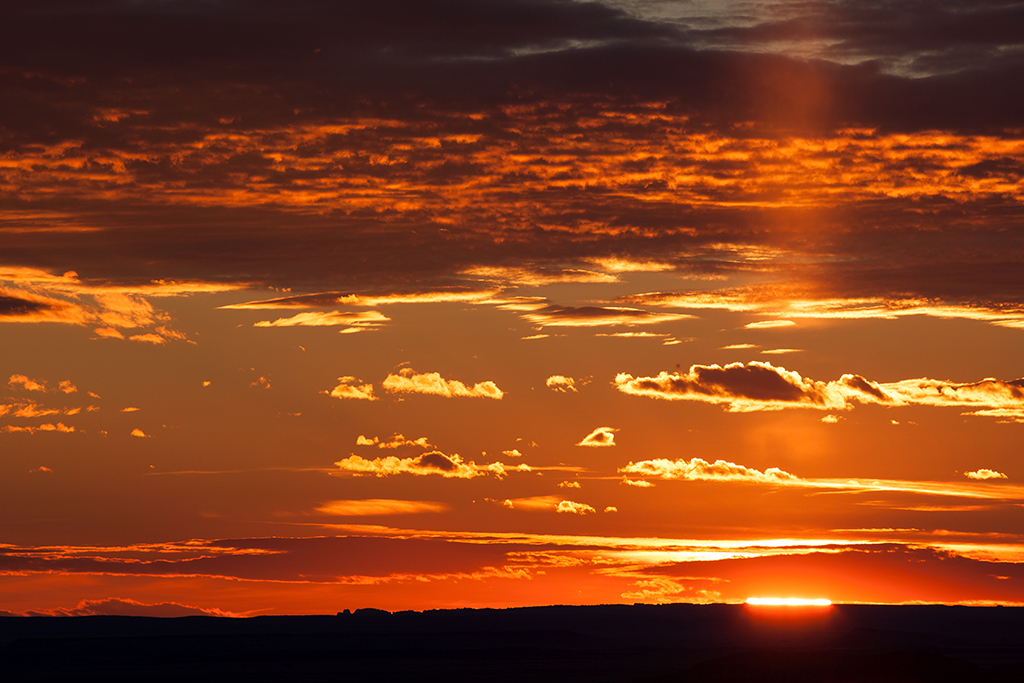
789	602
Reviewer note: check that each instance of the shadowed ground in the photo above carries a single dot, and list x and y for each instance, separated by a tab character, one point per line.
643	643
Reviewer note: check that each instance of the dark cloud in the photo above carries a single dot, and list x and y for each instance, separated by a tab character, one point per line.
293	146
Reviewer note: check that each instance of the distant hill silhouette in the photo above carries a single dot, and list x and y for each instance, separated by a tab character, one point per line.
642	643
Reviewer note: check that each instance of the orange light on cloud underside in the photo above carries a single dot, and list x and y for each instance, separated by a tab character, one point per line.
789	602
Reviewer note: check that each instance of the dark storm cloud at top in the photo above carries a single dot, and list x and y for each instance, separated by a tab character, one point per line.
327	145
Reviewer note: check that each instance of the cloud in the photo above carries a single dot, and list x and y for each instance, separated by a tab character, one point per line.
350	387
134	608
395	441
25	383
45	427
611	508
984	474
139	433
408	381
573	508
514	453
108	333
568	485
149	338
549	315
768	324
561	383
357	320
602	436
67	387
639	483
434	462
379	506
41	468
761	386
831	419
698	469
328	299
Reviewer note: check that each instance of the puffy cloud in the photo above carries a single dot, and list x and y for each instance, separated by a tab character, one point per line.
602	436
25	383
138	433
568	485
41	468
611	508
148	338
574	508
761	386
411	382
352	321
66	387
984	474
350	387
697	469
379	506
434	462
830	419
561	383
514	453
639	483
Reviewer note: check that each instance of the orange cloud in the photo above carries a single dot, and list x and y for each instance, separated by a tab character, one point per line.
350	387
561	384
45	427
984	474
108	333
396	441
550	315
574	508
434	462
408	381
379	506
67	387
149	338
327	299
139	433
602	436
352	320
761	386
787	302
26	383
697	469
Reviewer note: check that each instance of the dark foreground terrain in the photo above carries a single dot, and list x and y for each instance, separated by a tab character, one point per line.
643	643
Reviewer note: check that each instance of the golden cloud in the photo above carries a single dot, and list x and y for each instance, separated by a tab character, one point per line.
574	508
602	436
395	441
434	462
408	381
350	387
984	474
561	384
353	320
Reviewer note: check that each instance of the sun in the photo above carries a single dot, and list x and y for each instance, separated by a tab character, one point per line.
789	602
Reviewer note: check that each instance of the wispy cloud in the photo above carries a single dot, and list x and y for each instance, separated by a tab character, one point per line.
602	436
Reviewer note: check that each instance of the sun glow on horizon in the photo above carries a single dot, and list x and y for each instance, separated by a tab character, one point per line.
789	602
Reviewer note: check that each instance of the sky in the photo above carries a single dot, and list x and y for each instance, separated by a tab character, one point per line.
419	304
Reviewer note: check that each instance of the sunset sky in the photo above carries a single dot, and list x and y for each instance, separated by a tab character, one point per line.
415	304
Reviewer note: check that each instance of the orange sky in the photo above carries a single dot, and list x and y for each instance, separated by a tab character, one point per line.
423	305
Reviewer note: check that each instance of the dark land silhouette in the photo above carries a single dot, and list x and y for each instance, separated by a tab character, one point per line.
642	643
